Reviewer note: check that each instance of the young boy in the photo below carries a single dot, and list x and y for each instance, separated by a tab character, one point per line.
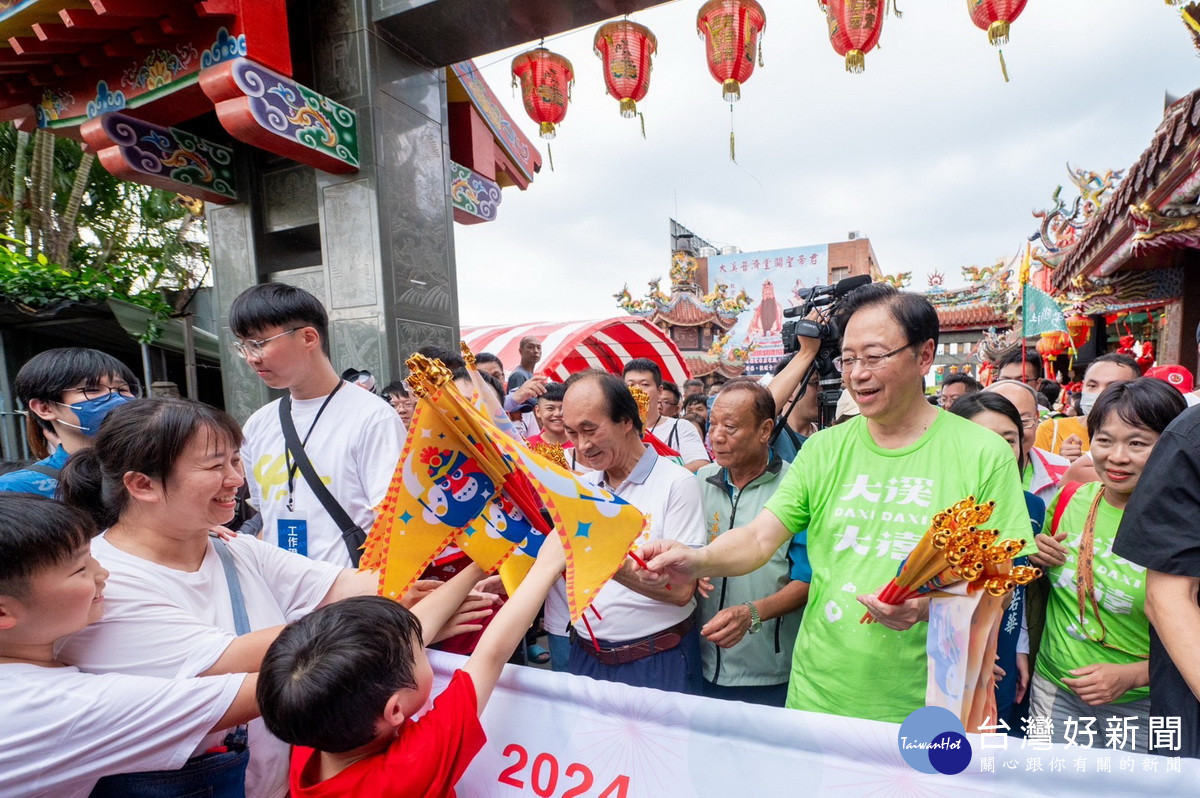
68	392
548	412
63	730
351	437
343	683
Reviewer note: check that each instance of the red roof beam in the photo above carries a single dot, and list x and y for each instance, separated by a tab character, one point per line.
28	45
138	9
84	18
49	31
10	56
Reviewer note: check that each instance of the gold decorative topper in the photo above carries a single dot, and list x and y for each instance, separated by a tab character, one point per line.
643	401
551	451
426	374
467	354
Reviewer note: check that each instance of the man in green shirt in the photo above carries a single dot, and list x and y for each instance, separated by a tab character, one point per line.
866	491
749	622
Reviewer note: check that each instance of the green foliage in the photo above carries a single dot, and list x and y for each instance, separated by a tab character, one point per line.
128	239
37	283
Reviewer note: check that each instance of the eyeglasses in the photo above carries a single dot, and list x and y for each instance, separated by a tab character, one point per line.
1029	422
250	348
869	362
93	392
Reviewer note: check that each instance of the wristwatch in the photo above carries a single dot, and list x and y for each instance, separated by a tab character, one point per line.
755	621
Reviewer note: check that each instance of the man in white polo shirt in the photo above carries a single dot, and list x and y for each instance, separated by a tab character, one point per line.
678	434
643	636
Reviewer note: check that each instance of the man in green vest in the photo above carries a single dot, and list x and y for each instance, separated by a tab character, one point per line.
750	622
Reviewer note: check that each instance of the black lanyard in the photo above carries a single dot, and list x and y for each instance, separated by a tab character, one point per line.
287	453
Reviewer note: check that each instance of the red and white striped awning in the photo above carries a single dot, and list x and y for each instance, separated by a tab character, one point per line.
571	346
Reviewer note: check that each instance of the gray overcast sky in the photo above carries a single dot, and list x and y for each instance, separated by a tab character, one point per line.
929	152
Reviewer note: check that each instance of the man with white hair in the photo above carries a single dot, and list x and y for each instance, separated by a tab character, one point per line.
1043	470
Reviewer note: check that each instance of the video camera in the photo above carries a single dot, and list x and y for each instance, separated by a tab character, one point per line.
796	327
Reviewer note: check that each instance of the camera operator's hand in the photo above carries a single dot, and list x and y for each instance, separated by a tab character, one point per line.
785	383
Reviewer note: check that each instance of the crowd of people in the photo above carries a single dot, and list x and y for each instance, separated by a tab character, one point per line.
181	608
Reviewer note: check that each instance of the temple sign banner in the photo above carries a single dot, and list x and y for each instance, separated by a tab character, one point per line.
774	280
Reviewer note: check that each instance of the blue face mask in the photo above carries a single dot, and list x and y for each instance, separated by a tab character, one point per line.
91	412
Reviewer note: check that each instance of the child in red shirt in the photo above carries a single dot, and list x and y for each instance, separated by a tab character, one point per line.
343	683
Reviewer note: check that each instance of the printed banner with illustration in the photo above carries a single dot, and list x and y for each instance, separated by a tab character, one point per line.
553	734
774	280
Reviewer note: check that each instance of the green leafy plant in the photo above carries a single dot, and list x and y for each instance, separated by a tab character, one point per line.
36	283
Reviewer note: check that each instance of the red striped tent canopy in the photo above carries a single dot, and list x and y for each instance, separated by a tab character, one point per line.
571	346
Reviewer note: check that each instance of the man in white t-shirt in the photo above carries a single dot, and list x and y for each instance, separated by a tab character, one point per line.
64	730
351	437
645	637
677	434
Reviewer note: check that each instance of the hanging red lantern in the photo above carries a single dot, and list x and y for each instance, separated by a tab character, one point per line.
546	80
626	48
995	17
1053	344
1080	328
731	29
854	28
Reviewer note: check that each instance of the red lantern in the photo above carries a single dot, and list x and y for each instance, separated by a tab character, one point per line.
854	28
1053	344
546	80
626	49
1080	327
731	29
995	17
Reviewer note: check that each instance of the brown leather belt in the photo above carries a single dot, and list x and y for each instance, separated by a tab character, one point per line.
623	654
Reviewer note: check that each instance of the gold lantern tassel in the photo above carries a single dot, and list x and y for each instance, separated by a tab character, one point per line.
1003	66
893	8
998	32
856	62
732	148
642	119
550	156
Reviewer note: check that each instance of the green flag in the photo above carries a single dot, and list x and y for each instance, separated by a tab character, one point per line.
1039	313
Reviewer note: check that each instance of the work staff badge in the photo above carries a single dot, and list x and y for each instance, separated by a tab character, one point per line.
293	535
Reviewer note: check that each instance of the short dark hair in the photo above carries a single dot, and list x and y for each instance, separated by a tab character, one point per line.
395	388
973	404
671	388
325	681
145	436
47	375
1049	389
450	358
913	312
37	533
1031	358
267	305
763	402
1120	360
698	420
693	383
555	391
621	404
697	399
958	378
488	357
1145	402
646	365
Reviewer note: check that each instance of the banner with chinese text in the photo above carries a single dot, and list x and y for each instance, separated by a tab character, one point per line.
554	734
773	279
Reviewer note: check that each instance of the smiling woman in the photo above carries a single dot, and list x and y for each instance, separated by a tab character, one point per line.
161	474
1093	657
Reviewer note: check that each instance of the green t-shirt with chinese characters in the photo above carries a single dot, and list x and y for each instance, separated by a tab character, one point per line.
865	509
1120	590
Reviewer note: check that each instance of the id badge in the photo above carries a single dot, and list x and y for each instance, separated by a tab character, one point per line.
293	535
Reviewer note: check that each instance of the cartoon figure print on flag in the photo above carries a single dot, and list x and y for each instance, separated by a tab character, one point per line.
460	488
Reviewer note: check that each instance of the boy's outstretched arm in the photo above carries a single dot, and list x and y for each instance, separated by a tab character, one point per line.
512	621
435	609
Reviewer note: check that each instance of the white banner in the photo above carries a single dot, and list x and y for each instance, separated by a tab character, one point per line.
774	280
554	735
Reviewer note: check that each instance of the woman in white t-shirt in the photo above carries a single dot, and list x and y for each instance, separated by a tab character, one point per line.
161	475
